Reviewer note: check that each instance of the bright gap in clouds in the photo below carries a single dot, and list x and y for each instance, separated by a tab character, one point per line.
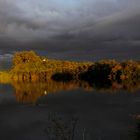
50	10
47	8
45	18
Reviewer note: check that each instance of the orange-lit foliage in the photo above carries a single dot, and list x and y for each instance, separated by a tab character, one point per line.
27	66
31	92
25	57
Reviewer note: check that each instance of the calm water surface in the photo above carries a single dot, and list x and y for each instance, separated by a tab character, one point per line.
102	113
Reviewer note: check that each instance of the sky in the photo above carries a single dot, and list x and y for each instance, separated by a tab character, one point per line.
72	29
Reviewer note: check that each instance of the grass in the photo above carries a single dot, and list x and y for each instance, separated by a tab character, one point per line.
5	77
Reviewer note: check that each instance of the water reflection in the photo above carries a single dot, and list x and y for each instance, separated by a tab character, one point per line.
135	133
30	92
60	128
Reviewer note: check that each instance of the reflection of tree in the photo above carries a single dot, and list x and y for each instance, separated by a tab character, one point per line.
136	132
30	92
102	75
59	128
27	92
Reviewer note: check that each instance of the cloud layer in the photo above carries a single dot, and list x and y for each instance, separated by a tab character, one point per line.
71	27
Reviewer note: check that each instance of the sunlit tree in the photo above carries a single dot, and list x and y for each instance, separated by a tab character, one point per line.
25	57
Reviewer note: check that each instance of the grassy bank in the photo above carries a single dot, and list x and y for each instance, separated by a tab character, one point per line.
5	77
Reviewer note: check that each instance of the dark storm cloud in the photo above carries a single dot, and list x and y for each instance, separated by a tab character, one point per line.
73	27
33	19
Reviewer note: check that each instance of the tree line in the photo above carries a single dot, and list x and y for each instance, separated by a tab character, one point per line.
28	66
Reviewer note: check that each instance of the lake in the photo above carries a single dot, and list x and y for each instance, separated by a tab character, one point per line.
99	113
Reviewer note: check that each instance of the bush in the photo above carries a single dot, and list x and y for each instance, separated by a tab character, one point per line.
66	76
